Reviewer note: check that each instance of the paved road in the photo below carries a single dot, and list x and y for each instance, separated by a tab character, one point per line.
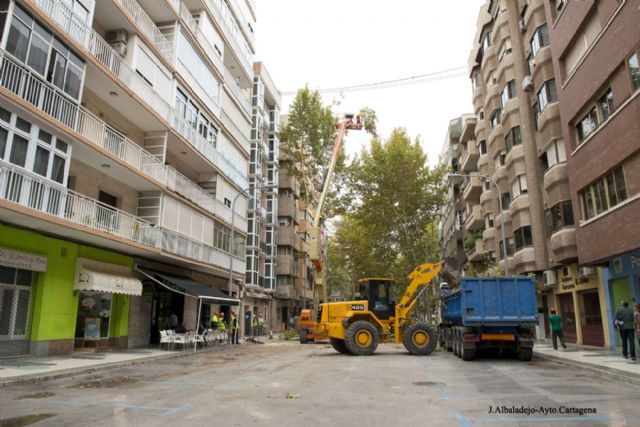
287	384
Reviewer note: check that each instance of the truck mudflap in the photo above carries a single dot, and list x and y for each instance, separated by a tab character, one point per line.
525	343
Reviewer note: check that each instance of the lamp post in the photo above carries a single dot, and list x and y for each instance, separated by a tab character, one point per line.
504	240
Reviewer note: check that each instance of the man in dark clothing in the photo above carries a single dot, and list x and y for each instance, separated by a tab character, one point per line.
624	323
556	329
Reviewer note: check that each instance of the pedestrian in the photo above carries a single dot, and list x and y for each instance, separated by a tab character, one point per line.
556	329
260	324
624	322
636	320
234	328
254	325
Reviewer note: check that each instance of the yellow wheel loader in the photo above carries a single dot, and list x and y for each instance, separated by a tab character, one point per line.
356	327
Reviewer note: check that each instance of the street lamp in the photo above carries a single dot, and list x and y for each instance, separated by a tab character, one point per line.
504	240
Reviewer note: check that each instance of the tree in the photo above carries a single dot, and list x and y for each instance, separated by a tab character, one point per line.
393	203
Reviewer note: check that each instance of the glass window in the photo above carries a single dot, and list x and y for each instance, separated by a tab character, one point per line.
634	69
19	150
522	237
547	94
559	216
482	147
540	39
18	39
519	186
588	124
39	49
5	115
3	141
513	138
45	137
606	104
495	117
41	162
23	125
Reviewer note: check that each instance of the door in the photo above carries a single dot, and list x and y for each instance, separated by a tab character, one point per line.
106	211
15	310
568	314
591	318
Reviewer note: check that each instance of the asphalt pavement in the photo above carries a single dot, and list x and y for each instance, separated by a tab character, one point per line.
288	384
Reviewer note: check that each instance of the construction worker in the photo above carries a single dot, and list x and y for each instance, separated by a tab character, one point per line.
260	324
214	320
221	328
234	329
254	325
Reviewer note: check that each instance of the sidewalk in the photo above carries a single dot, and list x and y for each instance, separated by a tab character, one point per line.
31	369
597	360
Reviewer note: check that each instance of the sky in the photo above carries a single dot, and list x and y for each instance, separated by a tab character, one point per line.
336	43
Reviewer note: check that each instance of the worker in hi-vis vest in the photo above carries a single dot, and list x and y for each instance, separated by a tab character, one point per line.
221	328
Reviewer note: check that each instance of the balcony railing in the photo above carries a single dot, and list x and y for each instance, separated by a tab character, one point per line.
187	188
31	88
100	49
215	6
230	82
146	24
37	193
191	134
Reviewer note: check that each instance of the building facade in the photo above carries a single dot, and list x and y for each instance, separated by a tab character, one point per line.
520	145
124	138
596	58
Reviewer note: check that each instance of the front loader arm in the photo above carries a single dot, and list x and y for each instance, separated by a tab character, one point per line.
420	277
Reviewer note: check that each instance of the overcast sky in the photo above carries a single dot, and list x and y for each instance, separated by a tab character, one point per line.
335	43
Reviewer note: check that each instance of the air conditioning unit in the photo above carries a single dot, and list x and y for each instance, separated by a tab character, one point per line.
549	278
118	41
522	26
587	271
527	83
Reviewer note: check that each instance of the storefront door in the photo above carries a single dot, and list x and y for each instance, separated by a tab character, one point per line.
568	314
591	319
15	305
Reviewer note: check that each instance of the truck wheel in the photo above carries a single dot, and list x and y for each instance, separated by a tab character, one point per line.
339	345
525	354
420	339
454	342
468	354
361	338
303	336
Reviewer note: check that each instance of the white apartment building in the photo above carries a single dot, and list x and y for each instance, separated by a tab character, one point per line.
124	140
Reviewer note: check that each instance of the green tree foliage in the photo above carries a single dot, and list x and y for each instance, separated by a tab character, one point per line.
337	274
393	200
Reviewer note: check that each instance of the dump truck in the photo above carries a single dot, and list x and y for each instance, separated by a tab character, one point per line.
356	327
489	313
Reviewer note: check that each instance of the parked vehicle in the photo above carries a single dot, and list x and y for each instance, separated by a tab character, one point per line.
489	313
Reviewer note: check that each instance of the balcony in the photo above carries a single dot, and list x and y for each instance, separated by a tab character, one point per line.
474	220
470	158
193	26
563	245
230	82
286	236
477	253
215	7
74	26
472	188
524	260
31	191
47	98
146	25
286	265
286	207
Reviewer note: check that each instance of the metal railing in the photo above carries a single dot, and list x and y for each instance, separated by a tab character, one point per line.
216	11
53	102
147	26
103	52
187	188
190	133
231	83
46	196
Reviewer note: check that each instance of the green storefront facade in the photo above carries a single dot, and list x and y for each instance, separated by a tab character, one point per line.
51	321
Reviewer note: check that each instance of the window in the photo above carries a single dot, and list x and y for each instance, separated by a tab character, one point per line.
584	38
15	302
634	69
505	49
486	41
519	186
491	78
198	68
488	220
547	94
34	45
227	202
522	237
495	117
475	80
508	92
500	159
598	113
513	138
554	154
604	194
506	201
540	39
188	110
510	247
26	145
222	237
560	4
482	147
559	216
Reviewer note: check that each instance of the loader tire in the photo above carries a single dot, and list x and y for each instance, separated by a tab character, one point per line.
339	345
303	336
361	338
420	339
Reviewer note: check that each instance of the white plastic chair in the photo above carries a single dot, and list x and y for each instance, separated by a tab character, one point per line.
165	338
182	339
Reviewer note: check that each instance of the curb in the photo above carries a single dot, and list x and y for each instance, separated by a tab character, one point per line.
615	374
64	373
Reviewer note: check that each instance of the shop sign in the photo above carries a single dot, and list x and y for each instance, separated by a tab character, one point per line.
569	282
22	260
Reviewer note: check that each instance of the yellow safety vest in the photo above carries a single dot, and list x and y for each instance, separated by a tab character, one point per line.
214	320
221	324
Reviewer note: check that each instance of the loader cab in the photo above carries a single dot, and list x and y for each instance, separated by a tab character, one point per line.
377	291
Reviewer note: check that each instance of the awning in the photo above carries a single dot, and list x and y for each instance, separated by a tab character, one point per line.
187	286
92	275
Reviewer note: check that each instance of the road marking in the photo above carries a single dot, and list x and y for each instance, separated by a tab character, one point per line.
168	410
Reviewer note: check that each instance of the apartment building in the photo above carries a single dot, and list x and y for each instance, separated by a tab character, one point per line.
596	56
124	140
520	145
260	280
